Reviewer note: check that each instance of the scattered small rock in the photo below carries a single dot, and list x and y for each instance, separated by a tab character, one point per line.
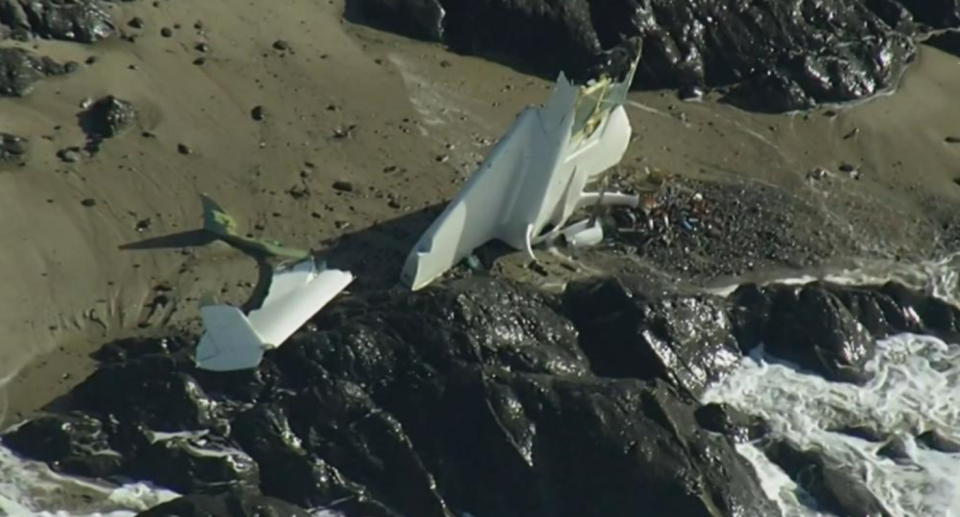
342	225
847	168
442	158
202	47
200	61
281	45
854	132
144	225
69	155
343	186
299	192
12	147
445	64
257	113
896	450
166	32
89	202
819	173
136	22
184	149
952	139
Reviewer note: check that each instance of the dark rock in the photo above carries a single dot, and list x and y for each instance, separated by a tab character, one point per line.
809	326
831	487
896	450
148	390
864	432
471	396
166	32
194	464
108	117
236	503
936	440
729	421
281	45
13	147
72	443
89	202
184	149
20	70
343	186
257	113
136	22
202	47
783	56
83	21
952	139
686	340
289	472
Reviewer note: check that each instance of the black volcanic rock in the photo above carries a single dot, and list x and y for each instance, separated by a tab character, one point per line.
782	55
20	70
728	420
807	325
687	340
473	396
108	117
74	443
834	489
236	503
83	21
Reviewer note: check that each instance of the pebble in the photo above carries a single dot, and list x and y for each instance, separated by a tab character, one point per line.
69	155
136	22
89	202
281	45
343	186
202	47
952	139
166	32
184	149
257	113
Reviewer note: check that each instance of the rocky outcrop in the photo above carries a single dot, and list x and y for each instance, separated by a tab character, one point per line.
83	21
479	396
806	325
771	55
20	70
471	397
687	340
834	489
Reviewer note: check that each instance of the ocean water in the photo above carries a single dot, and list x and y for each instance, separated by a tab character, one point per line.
916	388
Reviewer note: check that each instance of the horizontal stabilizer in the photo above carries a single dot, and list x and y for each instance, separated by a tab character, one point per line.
234	341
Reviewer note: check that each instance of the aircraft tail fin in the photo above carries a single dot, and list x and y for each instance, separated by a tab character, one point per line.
230	342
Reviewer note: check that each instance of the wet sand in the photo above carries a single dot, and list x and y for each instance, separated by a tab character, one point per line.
405	123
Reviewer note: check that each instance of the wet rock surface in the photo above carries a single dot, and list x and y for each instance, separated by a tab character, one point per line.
832	488
20	70
83	21
628	333
108	117
769	55
236	503
481	395
453	390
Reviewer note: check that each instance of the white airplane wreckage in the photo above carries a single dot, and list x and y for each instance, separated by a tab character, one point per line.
524	194
534	179
236	341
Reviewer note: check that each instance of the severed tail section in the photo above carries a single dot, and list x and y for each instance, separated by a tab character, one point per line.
230	342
